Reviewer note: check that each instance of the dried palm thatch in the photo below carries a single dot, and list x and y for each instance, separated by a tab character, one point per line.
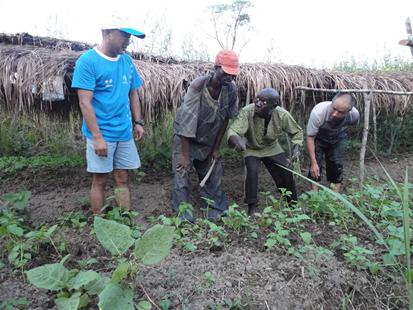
26	70
286	78
27	39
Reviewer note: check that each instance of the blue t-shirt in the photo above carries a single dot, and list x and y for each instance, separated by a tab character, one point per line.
111	80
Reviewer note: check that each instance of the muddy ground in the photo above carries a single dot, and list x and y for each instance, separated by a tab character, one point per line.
243	269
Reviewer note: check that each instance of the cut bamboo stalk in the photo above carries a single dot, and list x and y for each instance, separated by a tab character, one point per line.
367	102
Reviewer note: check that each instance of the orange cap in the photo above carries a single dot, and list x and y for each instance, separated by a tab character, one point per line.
228	61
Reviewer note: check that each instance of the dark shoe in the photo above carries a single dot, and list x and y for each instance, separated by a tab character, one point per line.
251	209
186	216
214	213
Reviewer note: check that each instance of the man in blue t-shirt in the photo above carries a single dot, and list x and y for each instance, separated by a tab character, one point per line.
106	80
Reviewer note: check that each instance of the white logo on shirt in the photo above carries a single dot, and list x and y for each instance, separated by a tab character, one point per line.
125	79
108	83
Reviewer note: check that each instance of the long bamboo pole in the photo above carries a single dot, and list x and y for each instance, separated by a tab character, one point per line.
374	91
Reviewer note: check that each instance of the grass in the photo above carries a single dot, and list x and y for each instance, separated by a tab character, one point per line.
388	63
155	149
39	134
11	165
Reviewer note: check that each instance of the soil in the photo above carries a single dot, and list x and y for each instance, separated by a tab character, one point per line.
243	271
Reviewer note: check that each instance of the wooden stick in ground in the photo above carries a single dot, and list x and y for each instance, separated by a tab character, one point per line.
202	184
367	101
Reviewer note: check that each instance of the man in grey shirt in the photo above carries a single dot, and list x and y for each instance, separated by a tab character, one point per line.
200	124
325	136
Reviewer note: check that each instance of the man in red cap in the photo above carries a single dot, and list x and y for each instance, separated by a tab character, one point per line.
200	124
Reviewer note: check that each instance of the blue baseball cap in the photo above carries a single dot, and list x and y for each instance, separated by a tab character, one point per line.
133	32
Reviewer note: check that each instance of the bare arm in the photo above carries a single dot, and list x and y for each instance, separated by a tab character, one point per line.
314	169
136	113
184	163
85	103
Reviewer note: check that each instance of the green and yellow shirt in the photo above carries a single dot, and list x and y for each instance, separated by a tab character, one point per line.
261	142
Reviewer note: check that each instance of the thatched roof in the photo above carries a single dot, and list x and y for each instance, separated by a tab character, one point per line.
27	70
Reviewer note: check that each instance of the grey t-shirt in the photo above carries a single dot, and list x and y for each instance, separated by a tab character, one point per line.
320	115
200	117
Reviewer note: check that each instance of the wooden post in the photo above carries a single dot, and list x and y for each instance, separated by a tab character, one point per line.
367	101
373	105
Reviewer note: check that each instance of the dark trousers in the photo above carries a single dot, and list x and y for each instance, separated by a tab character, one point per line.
281	177
212	189
333	155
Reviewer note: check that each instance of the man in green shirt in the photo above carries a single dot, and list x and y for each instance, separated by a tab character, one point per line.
261	124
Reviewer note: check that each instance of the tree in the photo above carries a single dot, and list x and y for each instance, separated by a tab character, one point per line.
158	37
227	20
193	49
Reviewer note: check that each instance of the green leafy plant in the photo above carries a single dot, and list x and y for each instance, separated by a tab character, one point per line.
356	255
21	242
389	259
13	303
282	220
74	219
183	228
323	205
235	219
209	278
74	287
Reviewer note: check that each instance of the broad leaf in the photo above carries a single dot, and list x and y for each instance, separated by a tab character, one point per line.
51	230
396	247
144	305
84	300
113	297
115	237
52	277
97	286
306	236
18	200
121	272
84	278
389	260
15	230
72	303
270	243
155	244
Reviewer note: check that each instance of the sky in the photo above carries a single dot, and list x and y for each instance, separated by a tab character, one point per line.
317	33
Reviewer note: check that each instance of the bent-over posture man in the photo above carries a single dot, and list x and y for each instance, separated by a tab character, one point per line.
107	81
326	130
200	124
262	123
